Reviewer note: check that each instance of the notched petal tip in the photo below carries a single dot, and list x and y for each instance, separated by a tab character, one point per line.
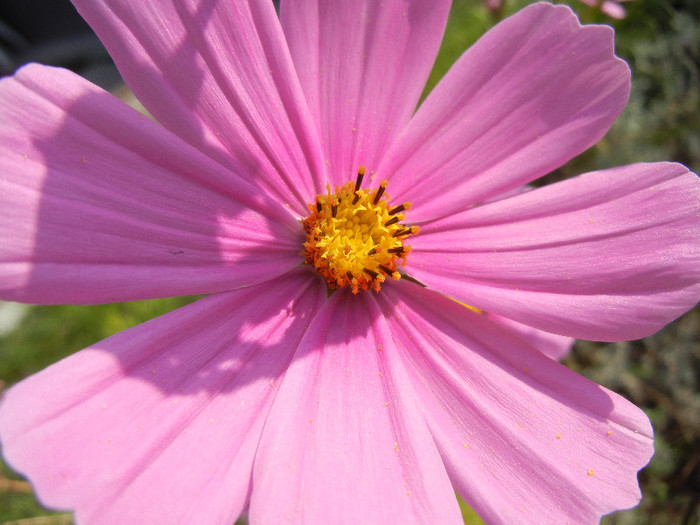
520	434
609	255
535	91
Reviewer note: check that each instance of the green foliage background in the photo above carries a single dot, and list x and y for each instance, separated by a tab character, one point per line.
660	39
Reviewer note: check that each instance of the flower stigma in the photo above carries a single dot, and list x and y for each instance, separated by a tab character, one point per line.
354	238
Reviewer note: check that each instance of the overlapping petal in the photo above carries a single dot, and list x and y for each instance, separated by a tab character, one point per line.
524	439
363	65
219	75
609	255
101	204
532	93
344	441
554	346
160	423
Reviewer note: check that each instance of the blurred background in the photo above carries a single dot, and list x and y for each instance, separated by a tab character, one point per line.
660	39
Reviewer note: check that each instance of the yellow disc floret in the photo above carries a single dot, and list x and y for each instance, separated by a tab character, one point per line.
353	237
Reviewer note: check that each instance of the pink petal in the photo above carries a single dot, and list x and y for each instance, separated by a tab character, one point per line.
609	255
219	75
535	91
100	204
363	65
524	439
344	442
160	423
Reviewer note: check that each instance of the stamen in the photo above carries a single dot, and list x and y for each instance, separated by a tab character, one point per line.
402	207
373	251
334	210
380	191
319	207
372	274
391	221
358	183
385	269
349	275
413	230
400	249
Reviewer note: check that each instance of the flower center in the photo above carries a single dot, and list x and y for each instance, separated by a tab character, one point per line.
353	237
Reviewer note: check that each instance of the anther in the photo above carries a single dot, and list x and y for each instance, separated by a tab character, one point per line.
385	269
400	249
358	182
380	191
318	207
405	206
412	230
350	276
391	221
360	175
372	274
334	210
372	251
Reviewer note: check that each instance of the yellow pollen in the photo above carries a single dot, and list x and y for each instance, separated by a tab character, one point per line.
354	238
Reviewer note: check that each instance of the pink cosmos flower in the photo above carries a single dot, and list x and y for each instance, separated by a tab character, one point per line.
271	395
611	8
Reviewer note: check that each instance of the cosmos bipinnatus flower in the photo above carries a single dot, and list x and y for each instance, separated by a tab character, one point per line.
333	373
